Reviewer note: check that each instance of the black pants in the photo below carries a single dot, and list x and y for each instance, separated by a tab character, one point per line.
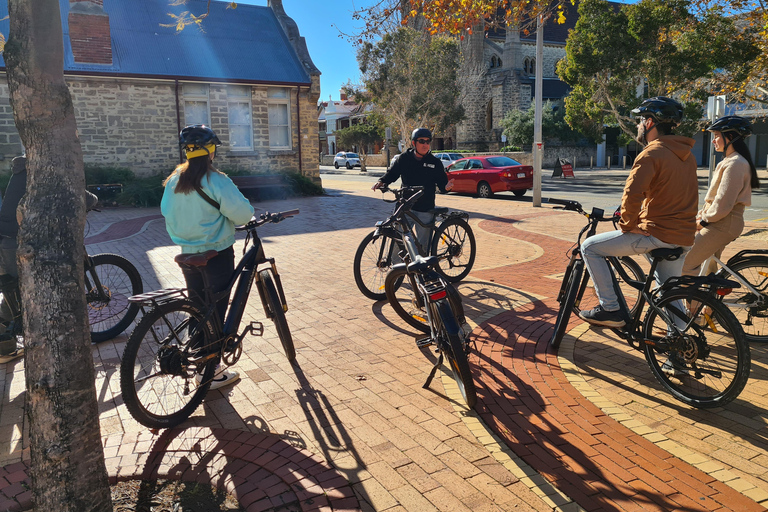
218	271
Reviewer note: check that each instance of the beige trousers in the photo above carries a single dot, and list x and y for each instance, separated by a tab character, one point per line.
711	240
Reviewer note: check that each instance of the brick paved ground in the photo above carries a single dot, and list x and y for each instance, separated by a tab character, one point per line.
588	429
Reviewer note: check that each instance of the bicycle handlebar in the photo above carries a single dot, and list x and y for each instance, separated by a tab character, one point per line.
266	218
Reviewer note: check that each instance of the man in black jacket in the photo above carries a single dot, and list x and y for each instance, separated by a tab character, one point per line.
417	167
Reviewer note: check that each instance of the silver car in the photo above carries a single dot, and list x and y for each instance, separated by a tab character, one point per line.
448	158
348	160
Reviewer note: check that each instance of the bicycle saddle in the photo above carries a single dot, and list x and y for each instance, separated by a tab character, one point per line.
198	259
667	254
421	263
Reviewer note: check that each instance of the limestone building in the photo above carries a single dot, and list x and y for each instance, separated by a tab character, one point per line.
135	83
498	74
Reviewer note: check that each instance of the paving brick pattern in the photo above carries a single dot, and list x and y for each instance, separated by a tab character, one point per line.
585	429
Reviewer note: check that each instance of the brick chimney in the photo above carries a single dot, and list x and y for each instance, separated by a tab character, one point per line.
342	95
89	32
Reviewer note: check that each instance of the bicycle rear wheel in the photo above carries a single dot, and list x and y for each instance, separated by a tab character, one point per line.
708	366
109	312
744	304
159	371
406	300
567	304
373	259
276	313
454	243
631	295
453	345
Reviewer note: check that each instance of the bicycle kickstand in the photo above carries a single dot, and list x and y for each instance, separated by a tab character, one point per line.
434	369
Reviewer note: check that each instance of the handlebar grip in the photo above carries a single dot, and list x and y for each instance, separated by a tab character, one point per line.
567	204
289	213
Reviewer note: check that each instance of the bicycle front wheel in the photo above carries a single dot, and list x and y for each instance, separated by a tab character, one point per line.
631	295
454	243
109	283
373	259
567	304
708	365
453	345
276	312
162	377
751	310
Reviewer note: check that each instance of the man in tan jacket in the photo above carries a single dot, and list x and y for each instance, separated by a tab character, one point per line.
658	209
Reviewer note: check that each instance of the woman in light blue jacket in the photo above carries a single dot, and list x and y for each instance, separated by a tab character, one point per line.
201	207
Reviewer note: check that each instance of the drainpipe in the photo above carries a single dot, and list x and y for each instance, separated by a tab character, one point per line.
178	118
298	127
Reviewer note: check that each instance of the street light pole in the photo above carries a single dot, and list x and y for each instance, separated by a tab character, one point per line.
538	146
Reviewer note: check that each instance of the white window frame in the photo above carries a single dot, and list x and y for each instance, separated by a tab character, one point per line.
277	96
196	92
244	99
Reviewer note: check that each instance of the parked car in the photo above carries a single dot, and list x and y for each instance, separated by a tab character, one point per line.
448	158
348	160
486	175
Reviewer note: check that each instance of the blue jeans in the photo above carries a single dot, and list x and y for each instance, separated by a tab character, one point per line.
615	243
423	235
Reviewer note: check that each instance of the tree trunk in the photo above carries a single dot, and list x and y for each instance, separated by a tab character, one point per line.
68	471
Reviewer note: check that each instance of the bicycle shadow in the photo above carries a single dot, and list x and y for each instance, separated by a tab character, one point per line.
600	358
510	401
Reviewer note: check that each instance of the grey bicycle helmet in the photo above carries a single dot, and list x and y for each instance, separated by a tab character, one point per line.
663	110
419	133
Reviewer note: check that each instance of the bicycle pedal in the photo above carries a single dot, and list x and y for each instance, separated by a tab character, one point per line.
256	329
425	342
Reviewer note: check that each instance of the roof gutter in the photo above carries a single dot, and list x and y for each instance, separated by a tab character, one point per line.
298	127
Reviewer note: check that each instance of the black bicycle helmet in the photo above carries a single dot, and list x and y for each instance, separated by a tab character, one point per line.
198	140
741	125
663	110
419	133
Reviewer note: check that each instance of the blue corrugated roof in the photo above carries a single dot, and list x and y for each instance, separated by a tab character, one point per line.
243	44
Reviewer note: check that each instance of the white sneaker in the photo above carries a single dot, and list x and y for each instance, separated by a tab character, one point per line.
223	377
7	358
673	369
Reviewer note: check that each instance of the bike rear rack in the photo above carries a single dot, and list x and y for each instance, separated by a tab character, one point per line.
157	297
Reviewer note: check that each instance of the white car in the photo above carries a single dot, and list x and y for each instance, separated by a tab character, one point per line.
348	160
448	158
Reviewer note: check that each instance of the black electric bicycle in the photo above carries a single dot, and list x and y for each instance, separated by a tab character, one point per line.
452	241
424	299
109	281
172	354
699	362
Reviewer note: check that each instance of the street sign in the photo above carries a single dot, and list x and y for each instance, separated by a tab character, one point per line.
388	133
715	107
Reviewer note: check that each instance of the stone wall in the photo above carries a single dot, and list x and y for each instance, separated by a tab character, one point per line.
134	124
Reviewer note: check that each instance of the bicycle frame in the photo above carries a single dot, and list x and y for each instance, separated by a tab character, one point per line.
735	275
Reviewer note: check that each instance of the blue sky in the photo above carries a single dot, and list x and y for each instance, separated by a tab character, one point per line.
333	55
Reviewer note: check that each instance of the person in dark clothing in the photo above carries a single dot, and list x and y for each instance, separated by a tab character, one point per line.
9	230
418	167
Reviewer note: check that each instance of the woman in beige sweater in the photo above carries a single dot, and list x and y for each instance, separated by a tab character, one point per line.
721	220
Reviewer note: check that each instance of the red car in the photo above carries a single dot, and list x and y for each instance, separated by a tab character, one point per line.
484	175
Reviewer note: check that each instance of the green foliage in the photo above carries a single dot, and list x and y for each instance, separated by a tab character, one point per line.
105	174
510	149
616	57
360	135
143	192
519	125
304	186
412	78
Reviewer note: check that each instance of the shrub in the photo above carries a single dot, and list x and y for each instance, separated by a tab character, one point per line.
509	149
144	192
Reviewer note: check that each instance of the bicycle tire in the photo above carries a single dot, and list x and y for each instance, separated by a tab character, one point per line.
453	346
119	280
631	295
567	305
373	259
753	319
277	314
162	398
449	244
407	302
714	364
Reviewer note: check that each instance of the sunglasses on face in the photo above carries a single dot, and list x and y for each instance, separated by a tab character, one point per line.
423	141
640	119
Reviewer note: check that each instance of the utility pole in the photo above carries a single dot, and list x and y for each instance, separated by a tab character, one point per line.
538	145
